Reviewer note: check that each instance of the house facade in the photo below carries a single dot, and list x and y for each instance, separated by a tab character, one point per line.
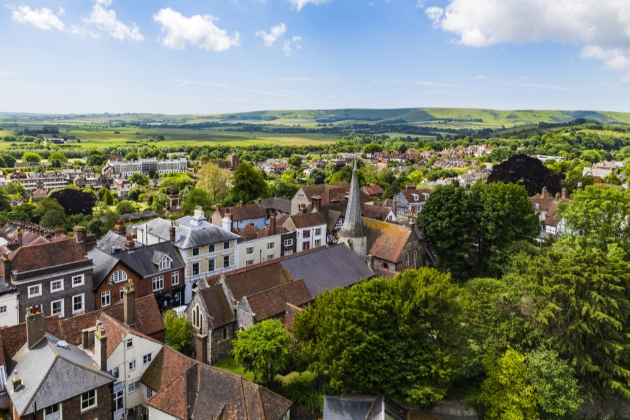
309	228
126	168
409	202
240	216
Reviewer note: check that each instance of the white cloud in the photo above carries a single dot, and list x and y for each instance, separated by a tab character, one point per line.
104	20
600	27
420	4
276	32
43	18
292	45
197	30
298	4
294	79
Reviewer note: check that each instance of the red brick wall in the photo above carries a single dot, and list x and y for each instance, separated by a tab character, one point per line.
71	409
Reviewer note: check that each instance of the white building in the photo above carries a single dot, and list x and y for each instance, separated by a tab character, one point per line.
9	306
127	168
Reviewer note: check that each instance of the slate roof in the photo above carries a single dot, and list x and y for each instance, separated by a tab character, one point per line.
44	367
225	395
326	268
141	260
207	234
386	240
103	265
352	225
160	228
273	302
276	203
249	211
218	306
112	241
50	254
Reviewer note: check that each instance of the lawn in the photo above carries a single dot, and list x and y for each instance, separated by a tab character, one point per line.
231	366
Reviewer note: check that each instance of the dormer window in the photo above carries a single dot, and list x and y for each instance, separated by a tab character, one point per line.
118	276
416	197
165	263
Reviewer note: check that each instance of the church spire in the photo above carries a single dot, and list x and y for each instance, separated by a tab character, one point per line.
352	232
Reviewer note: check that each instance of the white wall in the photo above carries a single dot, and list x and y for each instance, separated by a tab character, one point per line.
10	317
313	237
260	250
155	414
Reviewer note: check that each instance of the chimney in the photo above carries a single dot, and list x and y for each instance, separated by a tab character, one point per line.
48	235
100	348
303	209
6	266
129	243
564	193
59	230
410	187
90	240
172	231
226	222
394	206
370	261
217	208
201	347
18	236
34	326
129	303
317	202
17	381
119	228
557	196
79	234
544	192
272	224
240	203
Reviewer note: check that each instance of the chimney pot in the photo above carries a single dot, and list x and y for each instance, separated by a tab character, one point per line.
544	192
129	303
240	203
120	227
129	243
564	193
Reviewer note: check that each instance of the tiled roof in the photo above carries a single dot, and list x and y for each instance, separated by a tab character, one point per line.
277	203
115	330
251	232
218	306
168	363
386	240
420	193
375	212
34	257
320	189
273	302
300	221
372	189
249	211
254	279
550	205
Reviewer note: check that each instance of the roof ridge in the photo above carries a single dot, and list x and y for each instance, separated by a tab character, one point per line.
276	287
39	386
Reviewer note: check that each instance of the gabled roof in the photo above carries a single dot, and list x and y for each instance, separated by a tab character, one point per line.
409	195
49	254
320	189
276	203
273	302
548	205
208	234
251	232
253	279
386	240
115	331
249	211
112	241
166	365
375	212
45	367
160	228
301	221
218	306
141	260
103	265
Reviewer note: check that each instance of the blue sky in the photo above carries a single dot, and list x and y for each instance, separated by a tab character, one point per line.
218	56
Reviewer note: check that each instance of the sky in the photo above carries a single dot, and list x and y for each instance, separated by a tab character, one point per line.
223	56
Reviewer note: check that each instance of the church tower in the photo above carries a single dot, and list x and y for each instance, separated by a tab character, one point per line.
352	232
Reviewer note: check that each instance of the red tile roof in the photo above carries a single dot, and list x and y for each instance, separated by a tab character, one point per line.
49	254
273	302
548	205
254	279
386	240
249	211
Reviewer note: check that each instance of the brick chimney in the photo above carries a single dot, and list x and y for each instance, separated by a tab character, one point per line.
240	203
48	235
564	193
544	193
129	303
172	231
100	346
119	228
410	187
303	209
272	224
129	243
557	196
201	347
90	240
317	202
18	236
6	267
34	326
79	235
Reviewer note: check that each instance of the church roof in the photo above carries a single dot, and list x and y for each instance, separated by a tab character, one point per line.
352	225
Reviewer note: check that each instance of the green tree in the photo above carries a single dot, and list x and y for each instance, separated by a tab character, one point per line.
57	158
366	337
45	205
125	207
506	393
52	219
107	197
263	349
591	156
316	177
215	181
139	179
178	332
158	201
31	157
75	201
9	160
371	148
196	197
5	205
131	156
248	184
295	161
97	227
96	158
173	183
557	391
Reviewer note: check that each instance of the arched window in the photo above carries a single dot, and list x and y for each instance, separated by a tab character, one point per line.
407	262
194	317
386	266
415	258
119	276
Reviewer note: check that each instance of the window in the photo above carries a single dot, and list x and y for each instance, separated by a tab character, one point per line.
3	310
195	268
77	303
147	358
318	242
129	343
115	373
175	278
34	291
271	245
118	277
88	400
318	231
211	248
305	246
119	400
288	242
165	263
270	257
415	258
133	386
132	365
77	280
56	286
122	292
306	233
56	307
52	413
288	252
249	250
195	252
225	333
249	262
211	264
226	261
407	261
158	283
149	392
105	299
226	245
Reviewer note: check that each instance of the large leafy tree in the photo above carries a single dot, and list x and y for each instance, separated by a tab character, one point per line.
578	303
529	171
196	197
263	349
75	201
31	157
401	337
215	181
173	183
178	332
248	184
